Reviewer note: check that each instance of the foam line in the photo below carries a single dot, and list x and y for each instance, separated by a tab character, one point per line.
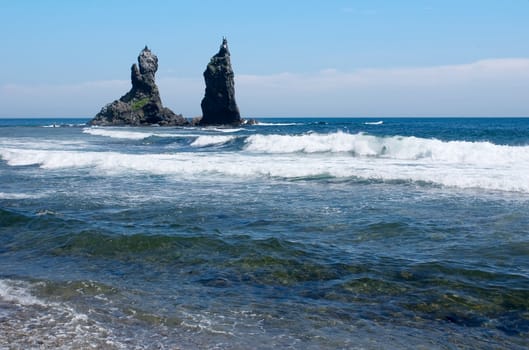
394	147
509	173
210	140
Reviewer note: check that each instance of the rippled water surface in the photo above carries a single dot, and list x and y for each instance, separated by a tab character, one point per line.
295	233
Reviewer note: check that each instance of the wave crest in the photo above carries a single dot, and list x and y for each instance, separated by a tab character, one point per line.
392	147
211	140
458	164
126	134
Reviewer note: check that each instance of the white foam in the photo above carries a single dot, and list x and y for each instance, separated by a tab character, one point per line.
17	292
59	125
36	323
308	143
339	155
380	122
118	134
210	140
394	147
227	130
4	195
127	134
277	124
41	143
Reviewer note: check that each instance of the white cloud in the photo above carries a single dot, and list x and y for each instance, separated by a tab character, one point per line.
487	88
85	99
495	87
82	99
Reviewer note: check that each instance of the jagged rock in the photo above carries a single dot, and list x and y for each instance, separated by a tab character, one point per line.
195	121
219	106
142	105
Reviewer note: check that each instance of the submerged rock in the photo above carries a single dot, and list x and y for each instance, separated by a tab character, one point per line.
142	105
219	106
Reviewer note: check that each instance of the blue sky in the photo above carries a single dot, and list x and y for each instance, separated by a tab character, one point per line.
291	58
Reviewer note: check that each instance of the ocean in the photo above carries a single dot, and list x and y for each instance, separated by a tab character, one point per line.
291	234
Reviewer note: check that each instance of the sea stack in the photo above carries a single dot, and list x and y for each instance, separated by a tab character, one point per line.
219	106
142	105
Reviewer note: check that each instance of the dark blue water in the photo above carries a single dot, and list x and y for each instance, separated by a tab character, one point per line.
296	233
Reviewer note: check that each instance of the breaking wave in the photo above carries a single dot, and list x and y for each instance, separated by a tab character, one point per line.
393	147
125	134
211	140
277	124
200	140
504	177
338	155
225	130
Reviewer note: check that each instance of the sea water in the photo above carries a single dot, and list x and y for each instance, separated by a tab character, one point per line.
293	233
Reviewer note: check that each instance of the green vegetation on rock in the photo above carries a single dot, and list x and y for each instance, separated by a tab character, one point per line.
138	104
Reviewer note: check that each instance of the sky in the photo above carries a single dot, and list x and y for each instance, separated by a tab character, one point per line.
332	58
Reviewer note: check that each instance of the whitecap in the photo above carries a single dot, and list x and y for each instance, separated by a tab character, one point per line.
210	140
393	147
118	134
127	134
4	195
277	124
457	164
227	130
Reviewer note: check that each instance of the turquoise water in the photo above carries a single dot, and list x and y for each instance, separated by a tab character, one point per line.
296	233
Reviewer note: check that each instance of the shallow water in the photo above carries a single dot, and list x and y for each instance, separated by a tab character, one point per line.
300	233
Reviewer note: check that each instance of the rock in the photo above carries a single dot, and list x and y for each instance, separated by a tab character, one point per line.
196	121
250	122
142	105
219	106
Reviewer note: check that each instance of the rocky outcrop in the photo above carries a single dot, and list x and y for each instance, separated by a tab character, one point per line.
219	106
142	105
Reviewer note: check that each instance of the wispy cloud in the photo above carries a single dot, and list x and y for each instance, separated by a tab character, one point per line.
87	98
487	87
81	99
492	87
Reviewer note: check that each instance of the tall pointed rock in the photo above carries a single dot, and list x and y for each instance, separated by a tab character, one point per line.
218	105
142	105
